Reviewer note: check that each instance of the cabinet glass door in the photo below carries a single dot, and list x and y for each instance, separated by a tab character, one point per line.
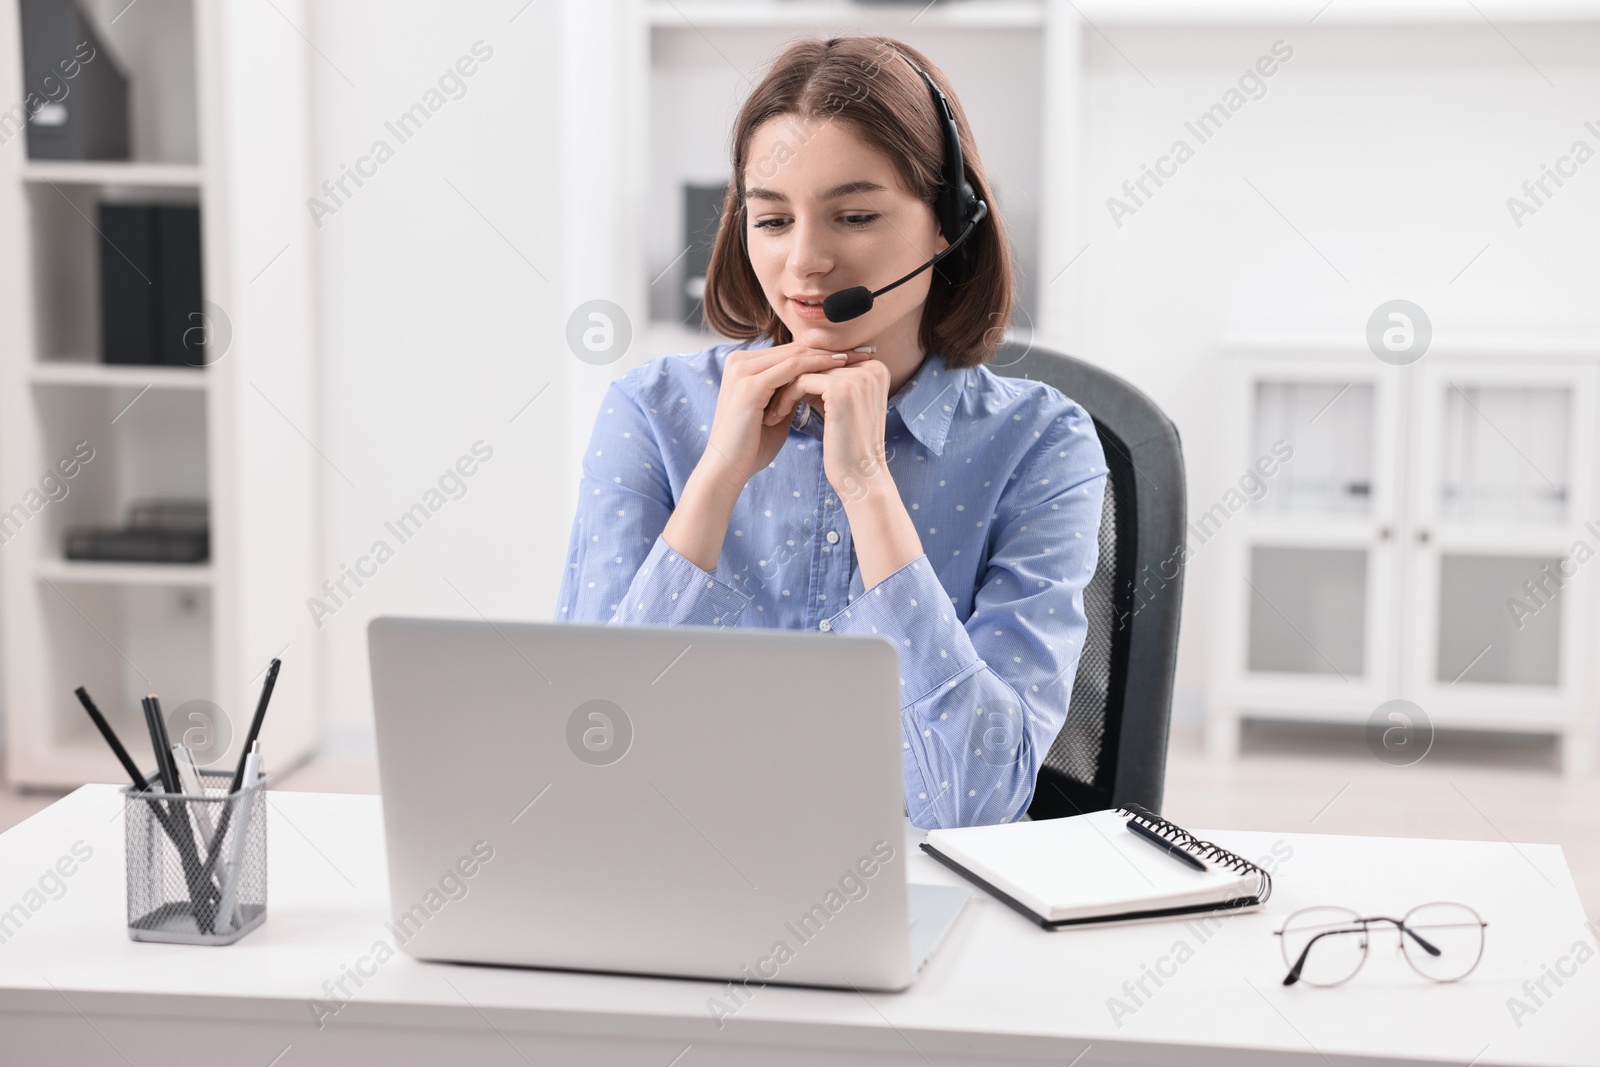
1328	425
1308	610
1493	626
1505	452
1499	536
1312	545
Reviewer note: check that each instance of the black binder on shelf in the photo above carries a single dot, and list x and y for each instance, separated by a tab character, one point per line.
1091	869
702	213
127	283
178	319
76	97
150	284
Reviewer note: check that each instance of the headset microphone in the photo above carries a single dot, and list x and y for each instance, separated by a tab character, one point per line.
851	303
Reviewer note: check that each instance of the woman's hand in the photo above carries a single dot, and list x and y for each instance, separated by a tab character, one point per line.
741	441
855	402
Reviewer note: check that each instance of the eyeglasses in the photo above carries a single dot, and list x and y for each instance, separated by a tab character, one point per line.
1326	946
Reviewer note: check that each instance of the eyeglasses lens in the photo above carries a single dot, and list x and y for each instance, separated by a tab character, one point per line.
1456	933
1337	944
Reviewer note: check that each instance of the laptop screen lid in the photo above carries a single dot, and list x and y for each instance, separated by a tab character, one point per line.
687	801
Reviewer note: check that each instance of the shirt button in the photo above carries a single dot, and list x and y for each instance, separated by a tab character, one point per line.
833	537
824	625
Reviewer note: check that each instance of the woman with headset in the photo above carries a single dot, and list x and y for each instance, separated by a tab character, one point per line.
852	466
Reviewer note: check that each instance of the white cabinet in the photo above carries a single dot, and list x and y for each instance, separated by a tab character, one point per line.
1420	533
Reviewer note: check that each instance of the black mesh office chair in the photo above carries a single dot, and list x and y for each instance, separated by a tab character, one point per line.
1113	748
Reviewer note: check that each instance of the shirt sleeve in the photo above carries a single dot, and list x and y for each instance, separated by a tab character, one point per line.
981	703
619	569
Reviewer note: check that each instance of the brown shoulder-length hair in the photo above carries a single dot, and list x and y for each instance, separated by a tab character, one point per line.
860	80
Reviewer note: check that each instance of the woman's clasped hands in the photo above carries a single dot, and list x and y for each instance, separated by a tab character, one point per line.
760	391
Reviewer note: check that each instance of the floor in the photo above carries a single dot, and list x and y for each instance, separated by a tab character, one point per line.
1304	778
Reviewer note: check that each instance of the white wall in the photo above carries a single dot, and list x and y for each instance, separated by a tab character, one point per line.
1391	149
436	327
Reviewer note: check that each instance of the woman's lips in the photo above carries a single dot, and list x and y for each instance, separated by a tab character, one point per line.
808	311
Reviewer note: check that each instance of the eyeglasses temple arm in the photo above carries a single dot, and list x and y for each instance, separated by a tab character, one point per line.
1294	972
1419	939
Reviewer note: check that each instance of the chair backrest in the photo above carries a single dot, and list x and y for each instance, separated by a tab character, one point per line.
1113	747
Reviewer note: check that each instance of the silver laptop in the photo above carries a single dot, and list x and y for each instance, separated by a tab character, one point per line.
681	801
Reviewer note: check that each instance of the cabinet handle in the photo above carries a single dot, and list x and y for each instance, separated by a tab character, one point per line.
1384	533
1422	537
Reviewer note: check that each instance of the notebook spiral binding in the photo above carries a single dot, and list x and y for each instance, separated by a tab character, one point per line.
1204	849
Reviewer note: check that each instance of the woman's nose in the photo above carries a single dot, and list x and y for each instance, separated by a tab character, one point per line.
808	250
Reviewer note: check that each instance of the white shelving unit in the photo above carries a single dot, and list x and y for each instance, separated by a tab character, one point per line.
63	372
219	110
1386	558
72	172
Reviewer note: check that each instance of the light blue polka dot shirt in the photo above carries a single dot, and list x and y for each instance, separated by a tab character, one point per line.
1003	478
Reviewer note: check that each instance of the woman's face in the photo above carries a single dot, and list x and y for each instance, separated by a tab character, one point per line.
827	211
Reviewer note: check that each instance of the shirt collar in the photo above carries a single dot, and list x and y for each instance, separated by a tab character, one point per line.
928	401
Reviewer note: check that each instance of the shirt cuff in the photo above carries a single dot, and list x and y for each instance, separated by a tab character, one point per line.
912	608
671	591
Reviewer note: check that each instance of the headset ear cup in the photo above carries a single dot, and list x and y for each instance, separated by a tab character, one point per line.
951	215
954	209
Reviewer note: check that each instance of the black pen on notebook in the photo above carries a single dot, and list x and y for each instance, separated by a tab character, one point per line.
1172	849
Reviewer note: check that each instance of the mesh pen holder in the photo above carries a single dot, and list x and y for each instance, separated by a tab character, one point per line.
197	864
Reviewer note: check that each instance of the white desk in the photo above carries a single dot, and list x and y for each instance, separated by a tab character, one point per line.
75	989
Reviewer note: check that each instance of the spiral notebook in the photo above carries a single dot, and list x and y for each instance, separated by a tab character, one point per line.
1093	869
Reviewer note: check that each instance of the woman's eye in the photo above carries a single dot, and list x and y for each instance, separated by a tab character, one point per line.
853	221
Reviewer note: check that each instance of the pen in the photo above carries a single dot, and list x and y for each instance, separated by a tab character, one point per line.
1144	832
181	829
189	778
255	723
228	906
163	747
111	739
155	746
244	755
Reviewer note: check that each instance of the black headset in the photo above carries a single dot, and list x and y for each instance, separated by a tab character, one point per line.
956	204
957	208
